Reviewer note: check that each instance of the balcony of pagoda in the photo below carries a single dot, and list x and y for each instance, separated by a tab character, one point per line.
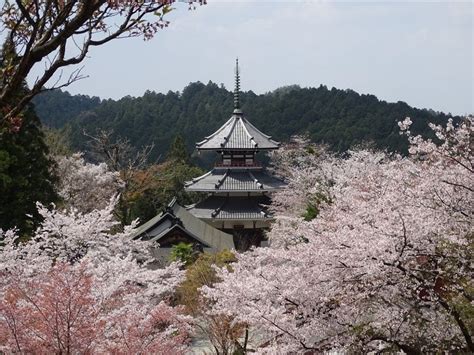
238	165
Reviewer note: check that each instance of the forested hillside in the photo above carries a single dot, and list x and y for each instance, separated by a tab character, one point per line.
57	107
339	118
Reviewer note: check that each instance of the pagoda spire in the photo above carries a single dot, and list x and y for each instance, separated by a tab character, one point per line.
237	88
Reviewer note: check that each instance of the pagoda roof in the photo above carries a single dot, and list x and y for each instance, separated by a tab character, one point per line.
177	217
232	208
238	134
229	180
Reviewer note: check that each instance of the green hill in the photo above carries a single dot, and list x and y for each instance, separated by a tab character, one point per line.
339	118
56	108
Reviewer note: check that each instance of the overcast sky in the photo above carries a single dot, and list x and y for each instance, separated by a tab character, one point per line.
417	52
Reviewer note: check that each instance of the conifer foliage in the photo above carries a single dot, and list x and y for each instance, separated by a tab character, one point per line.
342	119
26	171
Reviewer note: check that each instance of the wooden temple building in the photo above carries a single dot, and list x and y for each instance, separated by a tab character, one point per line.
175	225
233	214
238	188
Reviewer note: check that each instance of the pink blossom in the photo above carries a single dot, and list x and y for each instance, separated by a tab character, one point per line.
385	263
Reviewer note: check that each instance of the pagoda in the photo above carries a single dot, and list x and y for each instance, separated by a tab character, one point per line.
238	187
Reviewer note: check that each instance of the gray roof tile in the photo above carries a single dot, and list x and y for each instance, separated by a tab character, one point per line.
159	226
237	133
229	180
234	208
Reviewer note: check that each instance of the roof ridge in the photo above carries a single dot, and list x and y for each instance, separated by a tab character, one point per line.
218	209
172	202
196	179
247	131
259	184
221	128
226	138
239	134
219	181
255	128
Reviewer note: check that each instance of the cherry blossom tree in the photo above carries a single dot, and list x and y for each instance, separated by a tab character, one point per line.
386	263
77	286
52	312
86	186
58	312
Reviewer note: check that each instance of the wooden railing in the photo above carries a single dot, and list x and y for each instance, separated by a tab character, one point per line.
238	165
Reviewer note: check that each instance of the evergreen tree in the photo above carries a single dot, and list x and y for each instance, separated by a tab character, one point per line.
177	151
341	119
26	171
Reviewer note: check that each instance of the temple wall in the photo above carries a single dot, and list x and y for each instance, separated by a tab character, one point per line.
239	224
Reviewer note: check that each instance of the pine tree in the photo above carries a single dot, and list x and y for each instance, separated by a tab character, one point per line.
26	171
177	152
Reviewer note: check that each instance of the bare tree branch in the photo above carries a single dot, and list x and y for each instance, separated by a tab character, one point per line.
40	30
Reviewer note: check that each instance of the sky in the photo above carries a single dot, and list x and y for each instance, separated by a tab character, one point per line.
417	52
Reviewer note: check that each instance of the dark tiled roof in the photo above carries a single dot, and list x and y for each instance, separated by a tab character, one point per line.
237	133
228	180
176	216
234	208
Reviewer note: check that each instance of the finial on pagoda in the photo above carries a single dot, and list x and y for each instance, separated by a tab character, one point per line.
237	88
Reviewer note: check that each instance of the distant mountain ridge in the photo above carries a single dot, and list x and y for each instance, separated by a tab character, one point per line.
338	118
56	108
